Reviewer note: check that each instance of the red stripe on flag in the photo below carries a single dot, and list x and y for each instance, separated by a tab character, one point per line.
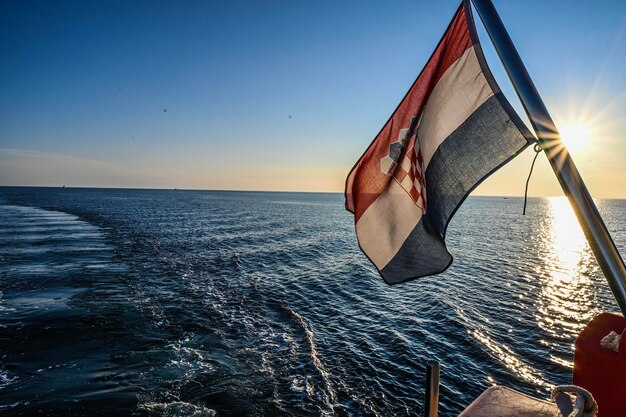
366	181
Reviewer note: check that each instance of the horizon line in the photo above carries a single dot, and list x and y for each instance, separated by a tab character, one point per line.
254	191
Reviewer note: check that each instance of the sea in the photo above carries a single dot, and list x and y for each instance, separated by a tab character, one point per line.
119	302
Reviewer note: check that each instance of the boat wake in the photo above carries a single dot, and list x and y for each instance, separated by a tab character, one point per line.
328	394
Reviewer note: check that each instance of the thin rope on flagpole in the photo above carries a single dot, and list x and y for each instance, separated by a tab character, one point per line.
537	149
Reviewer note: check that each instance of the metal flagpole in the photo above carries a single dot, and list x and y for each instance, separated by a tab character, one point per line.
572	183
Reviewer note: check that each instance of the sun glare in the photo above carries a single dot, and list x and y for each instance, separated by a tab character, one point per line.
575	136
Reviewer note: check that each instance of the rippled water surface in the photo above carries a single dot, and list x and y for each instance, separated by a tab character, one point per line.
198	303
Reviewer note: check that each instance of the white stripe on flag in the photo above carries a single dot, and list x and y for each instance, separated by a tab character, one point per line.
387	223
460	91
389	220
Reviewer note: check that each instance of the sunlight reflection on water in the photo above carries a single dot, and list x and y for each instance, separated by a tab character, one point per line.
557	295
566	299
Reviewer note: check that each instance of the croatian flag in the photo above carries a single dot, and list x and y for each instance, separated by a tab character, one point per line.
452	130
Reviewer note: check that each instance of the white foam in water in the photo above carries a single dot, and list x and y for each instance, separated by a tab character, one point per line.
177	409
4	308
5	380
329	396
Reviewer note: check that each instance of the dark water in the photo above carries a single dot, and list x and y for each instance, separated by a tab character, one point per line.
193	303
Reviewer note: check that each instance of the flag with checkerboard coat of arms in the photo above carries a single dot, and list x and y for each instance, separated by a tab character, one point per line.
453	129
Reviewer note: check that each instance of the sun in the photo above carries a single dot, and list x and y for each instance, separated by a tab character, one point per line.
575	136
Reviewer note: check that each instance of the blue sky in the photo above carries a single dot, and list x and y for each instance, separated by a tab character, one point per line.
280	95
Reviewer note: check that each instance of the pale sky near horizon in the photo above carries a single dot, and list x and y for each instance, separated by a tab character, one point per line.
275	95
